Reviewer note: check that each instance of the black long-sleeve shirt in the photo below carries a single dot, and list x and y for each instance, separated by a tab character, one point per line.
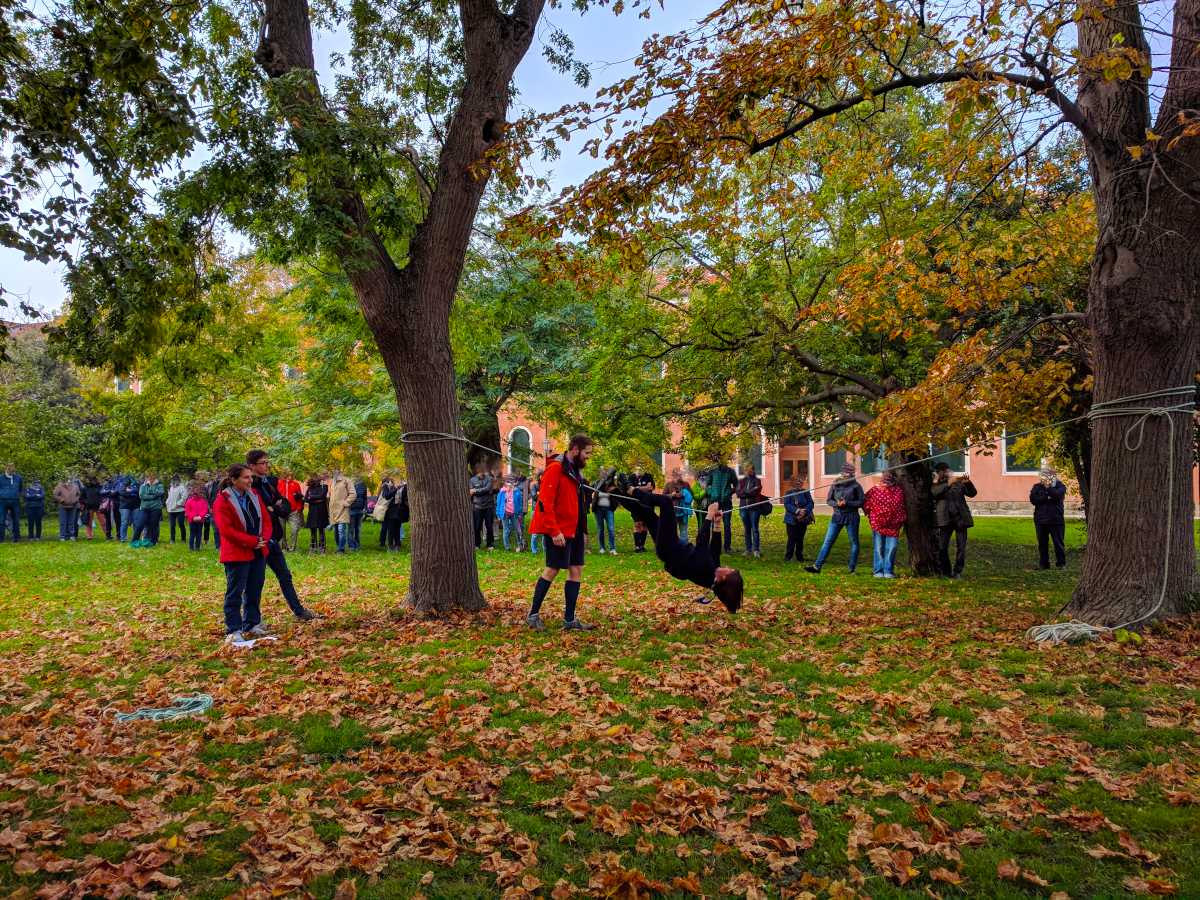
696	562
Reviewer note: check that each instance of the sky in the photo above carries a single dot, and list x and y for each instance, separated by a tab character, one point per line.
606	43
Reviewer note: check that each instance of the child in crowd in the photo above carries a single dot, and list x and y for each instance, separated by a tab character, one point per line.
196	512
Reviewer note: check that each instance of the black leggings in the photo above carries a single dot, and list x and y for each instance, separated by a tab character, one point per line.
318	538
657	513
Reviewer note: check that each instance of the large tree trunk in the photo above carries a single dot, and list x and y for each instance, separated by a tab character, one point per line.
408	310
1143	308
919	531
1143	313
443	572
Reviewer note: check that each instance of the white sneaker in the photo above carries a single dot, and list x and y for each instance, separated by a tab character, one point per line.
235	638
258	631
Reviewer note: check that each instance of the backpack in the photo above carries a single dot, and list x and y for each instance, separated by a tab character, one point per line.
381	508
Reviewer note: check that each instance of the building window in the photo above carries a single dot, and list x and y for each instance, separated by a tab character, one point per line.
873	462
834	459
520	444
955	459
755	457
1018	463
789	469
121	385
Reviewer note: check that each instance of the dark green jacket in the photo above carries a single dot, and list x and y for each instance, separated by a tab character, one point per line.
152	495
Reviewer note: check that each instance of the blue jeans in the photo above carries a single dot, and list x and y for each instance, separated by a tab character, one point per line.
750	517
512	528
340	534
10	508
243	593
606	520
683	526
68	523
535	541
831	536
356	529
885	553
127	516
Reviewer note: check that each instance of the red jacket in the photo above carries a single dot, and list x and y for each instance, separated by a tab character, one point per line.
195	508
236	544
885	509
288	489
557	507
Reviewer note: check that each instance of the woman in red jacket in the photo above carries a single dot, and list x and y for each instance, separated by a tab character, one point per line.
885	509
245	527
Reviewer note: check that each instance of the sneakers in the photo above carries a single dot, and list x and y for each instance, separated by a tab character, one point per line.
309	616
576	625
534	621
235	638
258	631
879	575
812	569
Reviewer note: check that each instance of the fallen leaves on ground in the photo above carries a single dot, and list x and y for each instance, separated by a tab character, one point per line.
820	744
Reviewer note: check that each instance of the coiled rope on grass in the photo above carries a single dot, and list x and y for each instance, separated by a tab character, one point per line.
181	707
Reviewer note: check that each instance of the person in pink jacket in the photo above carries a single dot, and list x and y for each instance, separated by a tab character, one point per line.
195	511
885	509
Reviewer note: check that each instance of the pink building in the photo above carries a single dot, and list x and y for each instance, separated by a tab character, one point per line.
1002	478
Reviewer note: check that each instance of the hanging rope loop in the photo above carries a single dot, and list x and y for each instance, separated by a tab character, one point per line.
1134	438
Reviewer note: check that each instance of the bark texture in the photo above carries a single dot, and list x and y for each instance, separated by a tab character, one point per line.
408	310
919	531
1143	303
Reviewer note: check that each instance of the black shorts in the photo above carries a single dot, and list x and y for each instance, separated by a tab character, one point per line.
569	554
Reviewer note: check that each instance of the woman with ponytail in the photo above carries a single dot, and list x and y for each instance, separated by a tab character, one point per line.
241	517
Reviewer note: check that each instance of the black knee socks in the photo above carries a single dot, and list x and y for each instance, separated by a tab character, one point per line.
572	591
539	594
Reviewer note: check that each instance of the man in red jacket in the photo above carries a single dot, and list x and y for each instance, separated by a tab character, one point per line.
560	514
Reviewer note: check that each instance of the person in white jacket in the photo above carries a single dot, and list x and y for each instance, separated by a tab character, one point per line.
177	495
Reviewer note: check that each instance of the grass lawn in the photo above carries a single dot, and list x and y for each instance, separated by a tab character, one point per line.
842	736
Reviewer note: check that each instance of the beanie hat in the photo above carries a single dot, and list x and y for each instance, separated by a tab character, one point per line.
1047	472
848	469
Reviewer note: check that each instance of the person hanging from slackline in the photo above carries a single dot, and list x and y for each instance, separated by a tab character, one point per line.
699	563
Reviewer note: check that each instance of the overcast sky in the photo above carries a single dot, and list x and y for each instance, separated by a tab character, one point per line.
606	43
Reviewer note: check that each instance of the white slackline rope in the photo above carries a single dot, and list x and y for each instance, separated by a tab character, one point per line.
1073	631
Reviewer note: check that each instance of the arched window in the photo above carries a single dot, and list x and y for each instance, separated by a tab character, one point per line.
520	444
755	457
